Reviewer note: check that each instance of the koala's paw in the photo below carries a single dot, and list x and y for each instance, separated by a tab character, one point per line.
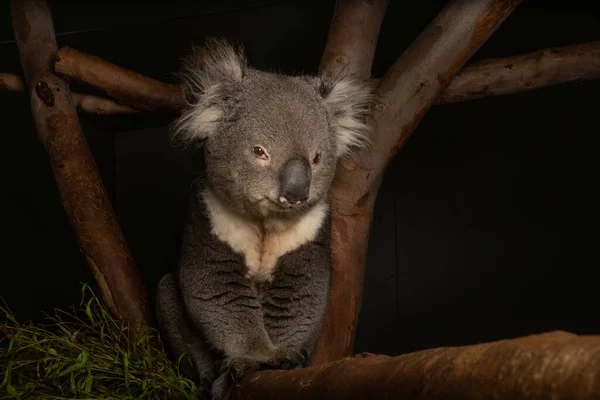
239	367
232	370
288	359
221	388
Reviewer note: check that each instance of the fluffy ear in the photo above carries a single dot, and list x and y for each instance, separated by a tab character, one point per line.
209	76
348	103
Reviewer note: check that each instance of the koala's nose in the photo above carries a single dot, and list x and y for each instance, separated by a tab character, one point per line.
294	181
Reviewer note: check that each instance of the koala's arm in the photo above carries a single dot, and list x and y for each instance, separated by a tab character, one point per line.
218	300
224	307
178	333
294	305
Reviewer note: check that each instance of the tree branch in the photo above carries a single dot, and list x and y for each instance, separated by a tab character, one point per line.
556	365
487	78
351	44
405	93
353	36
79	183
86	102
525	72
127	87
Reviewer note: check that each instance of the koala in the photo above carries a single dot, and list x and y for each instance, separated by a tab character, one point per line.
252	283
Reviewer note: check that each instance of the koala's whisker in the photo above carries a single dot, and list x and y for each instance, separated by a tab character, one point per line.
194	181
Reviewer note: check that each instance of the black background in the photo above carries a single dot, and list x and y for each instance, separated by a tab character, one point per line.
485	225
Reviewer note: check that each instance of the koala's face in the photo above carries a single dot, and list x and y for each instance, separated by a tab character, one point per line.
271	142
277	152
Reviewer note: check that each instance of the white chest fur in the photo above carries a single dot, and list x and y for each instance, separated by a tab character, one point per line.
262	244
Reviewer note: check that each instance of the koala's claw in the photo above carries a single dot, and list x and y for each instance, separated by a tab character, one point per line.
304	355
234	379
237	368
288	360
231	371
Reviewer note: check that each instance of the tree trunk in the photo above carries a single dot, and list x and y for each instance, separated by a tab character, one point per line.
405	93
80	186
353	36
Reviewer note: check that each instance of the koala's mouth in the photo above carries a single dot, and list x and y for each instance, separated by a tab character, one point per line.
285	207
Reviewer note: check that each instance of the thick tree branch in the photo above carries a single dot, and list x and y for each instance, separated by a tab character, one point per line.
79	183
405	93
485	78
11	82
353	36
127	87
87	103
556	365
420	75
351	44
525	72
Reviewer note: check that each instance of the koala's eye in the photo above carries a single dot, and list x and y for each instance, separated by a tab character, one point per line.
316	158
260	152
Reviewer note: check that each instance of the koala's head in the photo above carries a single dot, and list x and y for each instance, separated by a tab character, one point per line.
271	142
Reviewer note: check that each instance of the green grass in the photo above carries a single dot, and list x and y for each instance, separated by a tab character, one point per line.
84	353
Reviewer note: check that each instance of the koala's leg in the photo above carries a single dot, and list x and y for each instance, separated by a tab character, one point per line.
178	334
294	304
221	303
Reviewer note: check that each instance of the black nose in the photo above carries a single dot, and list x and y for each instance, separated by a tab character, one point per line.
294	181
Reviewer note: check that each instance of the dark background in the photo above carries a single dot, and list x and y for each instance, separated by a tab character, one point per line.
484	228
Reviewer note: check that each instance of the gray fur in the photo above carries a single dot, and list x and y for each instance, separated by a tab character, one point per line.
229	323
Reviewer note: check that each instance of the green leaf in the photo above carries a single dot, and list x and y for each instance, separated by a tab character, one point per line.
83	289
12	391
88	310
72	383
88	384
83	360
126	369
7	374
11	343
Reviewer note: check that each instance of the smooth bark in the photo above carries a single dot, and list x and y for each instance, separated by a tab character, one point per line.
80	186
405	93
85	102
353	36
487	78
125	86
542	68
553	366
